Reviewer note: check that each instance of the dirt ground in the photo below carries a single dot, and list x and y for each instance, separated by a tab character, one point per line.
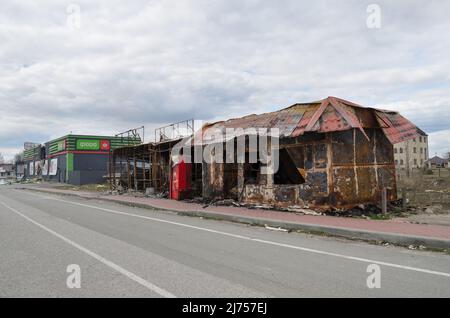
428	196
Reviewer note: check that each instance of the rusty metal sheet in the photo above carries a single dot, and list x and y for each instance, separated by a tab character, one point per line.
332	121
310	110
331	114
398	127
315	118
349	115
286	120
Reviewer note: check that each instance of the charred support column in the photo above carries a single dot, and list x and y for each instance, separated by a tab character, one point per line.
218	179
240	181
270	172
269	177
205	180
213	178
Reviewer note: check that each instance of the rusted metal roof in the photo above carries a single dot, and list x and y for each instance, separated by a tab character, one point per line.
332	115
396	127
327	115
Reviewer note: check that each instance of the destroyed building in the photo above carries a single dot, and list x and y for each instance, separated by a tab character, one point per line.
148	166
332	154
141	167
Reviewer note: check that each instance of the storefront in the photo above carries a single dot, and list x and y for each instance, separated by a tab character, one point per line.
79	159
31	164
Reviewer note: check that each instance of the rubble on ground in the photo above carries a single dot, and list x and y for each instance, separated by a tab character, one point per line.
396	208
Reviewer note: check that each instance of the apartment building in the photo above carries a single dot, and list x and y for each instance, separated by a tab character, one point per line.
412	153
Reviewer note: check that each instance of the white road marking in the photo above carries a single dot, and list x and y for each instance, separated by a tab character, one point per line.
101	259
305	249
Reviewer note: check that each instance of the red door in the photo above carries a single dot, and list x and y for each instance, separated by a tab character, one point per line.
180	182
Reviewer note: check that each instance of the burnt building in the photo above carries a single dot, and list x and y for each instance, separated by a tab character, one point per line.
331	154
142	166
148	167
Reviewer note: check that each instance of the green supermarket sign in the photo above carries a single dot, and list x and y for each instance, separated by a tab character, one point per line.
88	144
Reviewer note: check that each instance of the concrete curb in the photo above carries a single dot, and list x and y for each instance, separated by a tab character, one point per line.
371	236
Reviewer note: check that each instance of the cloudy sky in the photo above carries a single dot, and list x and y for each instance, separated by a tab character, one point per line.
101	67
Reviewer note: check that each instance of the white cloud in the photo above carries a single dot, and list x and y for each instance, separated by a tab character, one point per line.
156	62
439	143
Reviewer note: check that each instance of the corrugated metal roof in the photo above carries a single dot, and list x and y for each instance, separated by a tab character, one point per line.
396	127
327	115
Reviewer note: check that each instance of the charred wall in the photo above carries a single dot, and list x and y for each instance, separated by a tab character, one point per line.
340	169
310	156
361	168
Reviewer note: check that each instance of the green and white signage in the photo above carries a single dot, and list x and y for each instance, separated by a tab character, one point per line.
61	145
88	144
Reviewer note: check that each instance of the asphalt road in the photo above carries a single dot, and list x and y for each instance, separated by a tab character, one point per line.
131	252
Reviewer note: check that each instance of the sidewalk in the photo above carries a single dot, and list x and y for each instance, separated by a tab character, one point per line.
392	231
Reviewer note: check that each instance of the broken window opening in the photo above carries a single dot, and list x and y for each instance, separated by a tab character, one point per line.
231	181
288	172
252	172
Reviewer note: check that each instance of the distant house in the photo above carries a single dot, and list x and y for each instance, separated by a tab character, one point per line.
437	162
6	172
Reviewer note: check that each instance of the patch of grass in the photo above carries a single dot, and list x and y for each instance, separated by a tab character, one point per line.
87	187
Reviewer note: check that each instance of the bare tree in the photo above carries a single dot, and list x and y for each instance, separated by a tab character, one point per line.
2	159
18	157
